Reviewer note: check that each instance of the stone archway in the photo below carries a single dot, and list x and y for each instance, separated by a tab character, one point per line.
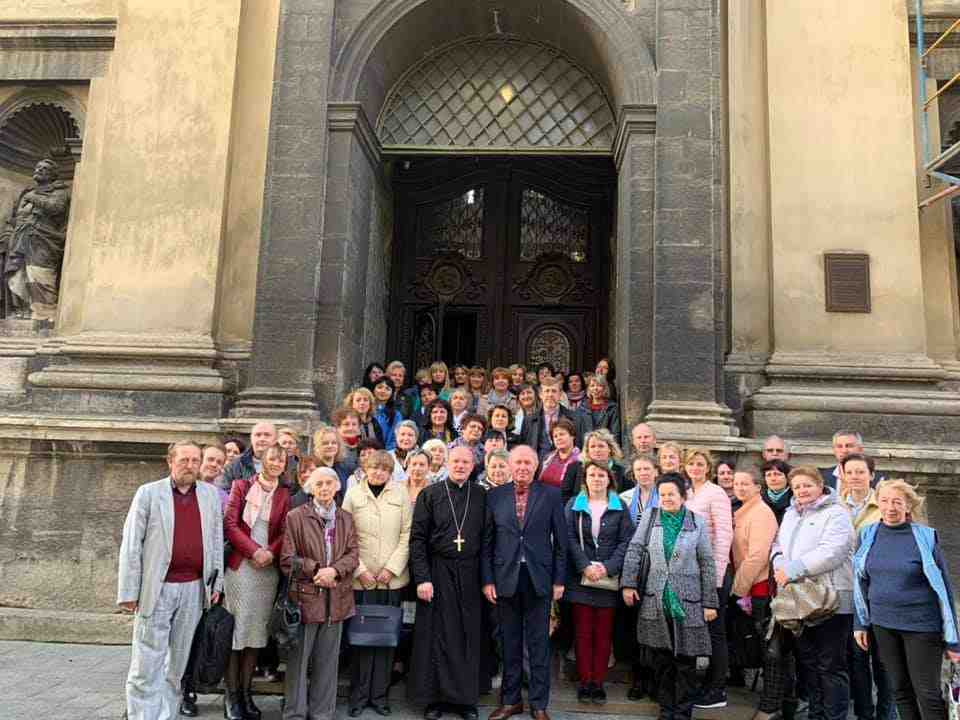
656	245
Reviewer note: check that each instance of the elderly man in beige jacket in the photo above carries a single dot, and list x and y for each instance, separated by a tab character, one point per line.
171	567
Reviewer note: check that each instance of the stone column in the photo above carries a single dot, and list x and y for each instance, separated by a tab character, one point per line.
134	333
688	286
750	291
843	178
281	376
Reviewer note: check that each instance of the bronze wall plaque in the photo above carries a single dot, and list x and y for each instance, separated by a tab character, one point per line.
848	282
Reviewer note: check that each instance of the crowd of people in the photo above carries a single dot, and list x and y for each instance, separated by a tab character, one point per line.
501	514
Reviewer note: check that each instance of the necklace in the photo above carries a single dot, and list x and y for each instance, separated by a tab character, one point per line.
453	511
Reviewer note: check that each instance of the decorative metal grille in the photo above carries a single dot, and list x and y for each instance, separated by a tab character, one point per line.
455	225
424	343
549	345
497	93
548	225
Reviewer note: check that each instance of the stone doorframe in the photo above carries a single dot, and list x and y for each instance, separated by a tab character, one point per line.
324	171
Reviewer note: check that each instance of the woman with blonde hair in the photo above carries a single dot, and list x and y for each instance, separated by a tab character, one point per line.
904	602
330	452
362	401
382	515
440	377
670	458
599	408
518	377
600	447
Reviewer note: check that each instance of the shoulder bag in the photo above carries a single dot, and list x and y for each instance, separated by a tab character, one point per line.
643	563
285	618
606	582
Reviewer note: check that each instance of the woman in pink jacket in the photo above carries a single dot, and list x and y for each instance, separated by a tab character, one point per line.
711	501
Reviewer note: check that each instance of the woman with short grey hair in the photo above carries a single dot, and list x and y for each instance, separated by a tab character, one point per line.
678	598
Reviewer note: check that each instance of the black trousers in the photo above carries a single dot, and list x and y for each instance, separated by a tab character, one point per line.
371	668
719	657
866	670
674	683
822	656
913	661
525	620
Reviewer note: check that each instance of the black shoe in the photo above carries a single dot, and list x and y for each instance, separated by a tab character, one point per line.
712	698
433	712
469	712
584	693
636	692
232	707
599	695
188	705
250	711
382	710
355	711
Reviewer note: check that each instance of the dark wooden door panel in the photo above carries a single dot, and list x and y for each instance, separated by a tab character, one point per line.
512	250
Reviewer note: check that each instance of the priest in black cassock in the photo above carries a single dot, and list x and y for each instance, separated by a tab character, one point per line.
445	548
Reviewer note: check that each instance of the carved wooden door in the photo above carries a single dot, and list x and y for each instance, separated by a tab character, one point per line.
501	260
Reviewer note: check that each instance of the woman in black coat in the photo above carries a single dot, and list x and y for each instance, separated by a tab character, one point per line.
599	529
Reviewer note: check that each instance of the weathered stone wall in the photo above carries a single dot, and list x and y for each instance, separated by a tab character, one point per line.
62	508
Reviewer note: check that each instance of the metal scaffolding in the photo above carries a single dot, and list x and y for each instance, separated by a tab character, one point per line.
933	165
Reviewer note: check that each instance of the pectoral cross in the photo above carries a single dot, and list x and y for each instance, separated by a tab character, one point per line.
459	542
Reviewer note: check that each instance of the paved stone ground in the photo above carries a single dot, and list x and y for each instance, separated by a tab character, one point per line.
46	681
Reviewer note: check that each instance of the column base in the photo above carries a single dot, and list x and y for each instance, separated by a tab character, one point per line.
272	403
689	419
886	398
116	375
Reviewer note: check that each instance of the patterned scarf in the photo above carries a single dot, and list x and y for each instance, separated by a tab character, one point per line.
672	525
258	501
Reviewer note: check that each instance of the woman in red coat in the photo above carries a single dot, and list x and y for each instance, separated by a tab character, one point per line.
254	525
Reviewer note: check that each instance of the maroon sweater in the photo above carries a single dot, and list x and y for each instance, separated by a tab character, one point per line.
186	562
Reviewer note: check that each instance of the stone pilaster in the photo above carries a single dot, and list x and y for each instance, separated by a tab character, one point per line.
689	324
281	373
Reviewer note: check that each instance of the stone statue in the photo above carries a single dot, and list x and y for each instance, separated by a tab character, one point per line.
36	236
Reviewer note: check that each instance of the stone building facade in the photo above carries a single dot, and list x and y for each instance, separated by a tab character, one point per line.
241	174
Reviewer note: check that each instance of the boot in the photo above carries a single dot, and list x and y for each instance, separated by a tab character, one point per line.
233	705
250	711
790	709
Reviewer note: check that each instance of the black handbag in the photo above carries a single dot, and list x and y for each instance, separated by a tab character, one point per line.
643	564
286	618
375	625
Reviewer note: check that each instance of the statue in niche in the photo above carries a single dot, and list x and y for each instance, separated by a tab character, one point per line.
36	235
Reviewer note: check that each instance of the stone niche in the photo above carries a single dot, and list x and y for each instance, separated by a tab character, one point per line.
37	123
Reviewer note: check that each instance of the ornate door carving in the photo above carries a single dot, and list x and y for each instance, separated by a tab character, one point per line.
521	243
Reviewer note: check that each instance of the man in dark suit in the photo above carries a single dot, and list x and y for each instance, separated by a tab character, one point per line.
523	568
535	429
845	442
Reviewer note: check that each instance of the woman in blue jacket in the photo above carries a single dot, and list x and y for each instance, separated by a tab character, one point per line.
904	602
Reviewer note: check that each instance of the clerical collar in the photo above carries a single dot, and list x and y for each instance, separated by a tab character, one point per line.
458	486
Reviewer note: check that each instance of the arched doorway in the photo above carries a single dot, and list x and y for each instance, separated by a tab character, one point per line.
501	257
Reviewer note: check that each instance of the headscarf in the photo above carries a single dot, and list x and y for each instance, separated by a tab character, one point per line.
672	525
